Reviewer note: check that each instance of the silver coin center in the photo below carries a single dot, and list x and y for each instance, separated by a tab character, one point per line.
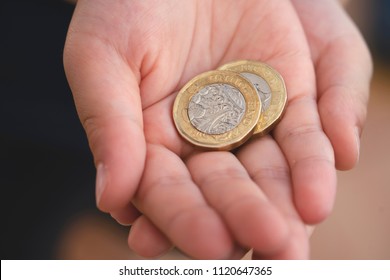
262	88
216	108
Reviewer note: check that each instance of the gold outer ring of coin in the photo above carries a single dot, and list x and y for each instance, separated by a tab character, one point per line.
230	139
273	114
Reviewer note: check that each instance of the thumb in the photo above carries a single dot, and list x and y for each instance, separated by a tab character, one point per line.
106	94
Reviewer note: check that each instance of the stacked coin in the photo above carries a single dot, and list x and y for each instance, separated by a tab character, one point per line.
222	109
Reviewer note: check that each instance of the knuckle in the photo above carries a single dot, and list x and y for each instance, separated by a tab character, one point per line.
92	128
221	176
301	132
279	173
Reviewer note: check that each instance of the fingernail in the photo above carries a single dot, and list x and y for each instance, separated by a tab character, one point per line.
357	135
100	181
119	221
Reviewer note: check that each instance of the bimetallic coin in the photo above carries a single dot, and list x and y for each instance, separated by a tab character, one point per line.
217	110
269	85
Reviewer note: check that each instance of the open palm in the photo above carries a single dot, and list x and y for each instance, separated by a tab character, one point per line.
126	60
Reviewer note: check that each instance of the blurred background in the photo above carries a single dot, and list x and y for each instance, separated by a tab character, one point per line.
47	174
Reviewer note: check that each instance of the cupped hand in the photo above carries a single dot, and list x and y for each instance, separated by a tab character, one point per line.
125	62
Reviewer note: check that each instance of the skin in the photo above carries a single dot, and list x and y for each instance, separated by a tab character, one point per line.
125	62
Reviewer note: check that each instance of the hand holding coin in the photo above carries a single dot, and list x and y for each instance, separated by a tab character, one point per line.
126	62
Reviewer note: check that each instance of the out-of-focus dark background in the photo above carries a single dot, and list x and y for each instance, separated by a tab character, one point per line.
47	173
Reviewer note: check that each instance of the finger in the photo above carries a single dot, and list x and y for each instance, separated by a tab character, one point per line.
310	158
271	173
344	69
170	199
251	218
127	215
304	144
106	94
344	73
146	239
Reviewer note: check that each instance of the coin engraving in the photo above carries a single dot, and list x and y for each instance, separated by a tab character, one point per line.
216	109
